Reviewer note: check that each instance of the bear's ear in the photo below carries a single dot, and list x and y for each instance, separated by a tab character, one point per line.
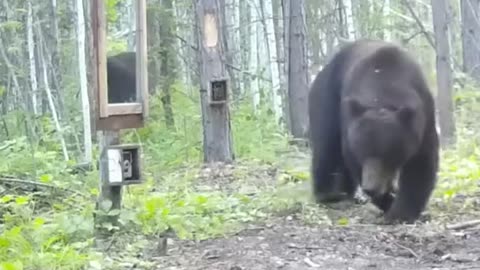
405	114
354	107
387	56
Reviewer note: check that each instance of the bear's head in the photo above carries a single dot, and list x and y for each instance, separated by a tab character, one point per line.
382	134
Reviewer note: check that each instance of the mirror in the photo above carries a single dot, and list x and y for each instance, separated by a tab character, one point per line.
121	53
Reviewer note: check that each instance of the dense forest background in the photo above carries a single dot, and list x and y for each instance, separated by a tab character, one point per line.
273	49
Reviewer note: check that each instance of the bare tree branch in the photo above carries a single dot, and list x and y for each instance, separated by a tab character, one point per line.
419	23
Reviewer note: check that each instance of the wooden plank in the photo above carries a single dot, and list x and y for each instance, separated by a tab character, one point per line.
142	64
93	84
124	108
117	122
102	58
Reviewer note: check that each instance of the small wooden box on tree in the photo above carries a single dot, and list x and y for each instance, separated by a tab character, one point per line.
218	91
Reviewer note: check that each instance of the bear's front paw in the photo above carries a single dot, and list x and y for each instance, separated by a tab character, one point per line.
330	197
360	197
398	215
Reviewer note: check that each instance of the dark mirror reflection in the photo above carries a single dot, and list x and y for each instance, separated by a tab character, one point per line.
121	52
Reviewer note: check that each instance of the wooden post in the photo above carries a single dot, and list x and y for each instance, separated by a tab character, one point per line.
107	192
214	92
113	117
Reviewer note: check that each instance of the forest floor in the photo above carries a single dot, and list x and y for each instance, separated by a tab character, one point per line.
292	245
345	236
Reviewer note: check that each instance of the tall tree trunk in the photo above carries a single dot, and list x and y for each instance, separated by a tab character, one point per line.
273	70
264	82
297	69
51	104
217	137
82	71
229	40
444	72
471	37
54	47
280	49
350	27
387	31
153	45
168	59
255	90
32	60
245	43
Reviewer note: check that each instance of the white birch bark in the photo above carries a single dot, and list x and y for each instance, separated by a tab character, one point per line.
82	68
273	66
255	91
349	19
31	58
52	106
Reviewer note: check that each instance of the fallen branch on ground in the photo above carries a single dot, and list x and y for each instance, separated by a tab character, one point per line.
464	225
9	179
413	253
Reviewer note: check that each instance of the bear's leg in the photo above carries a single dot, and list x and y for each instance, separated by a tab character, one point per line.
325	165
416	183
383	202
325	141
352	172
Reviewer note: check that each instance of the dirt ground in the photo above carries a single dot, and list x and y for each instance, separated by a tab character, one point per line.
291	245
287	241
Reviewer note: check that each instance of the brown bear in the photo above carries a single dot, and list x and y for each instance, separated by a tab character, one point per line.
372	123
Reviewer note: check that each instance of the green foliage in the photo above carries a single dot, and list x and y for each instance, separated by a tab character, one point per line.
29	240
42	228
189	215
112	14
116	46
11	26
165	147
256	135
460	168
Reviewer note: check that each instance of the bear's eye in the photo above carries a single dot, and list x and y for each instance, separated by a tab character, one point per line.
392	108
355	107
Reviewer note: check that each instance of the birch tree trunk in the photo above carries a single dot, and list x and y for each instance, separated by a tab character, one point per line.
245	44
53	49
51	104
273	70
349	19
277	14
255	90
264	81
31	57
229	40
387	32
82	72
